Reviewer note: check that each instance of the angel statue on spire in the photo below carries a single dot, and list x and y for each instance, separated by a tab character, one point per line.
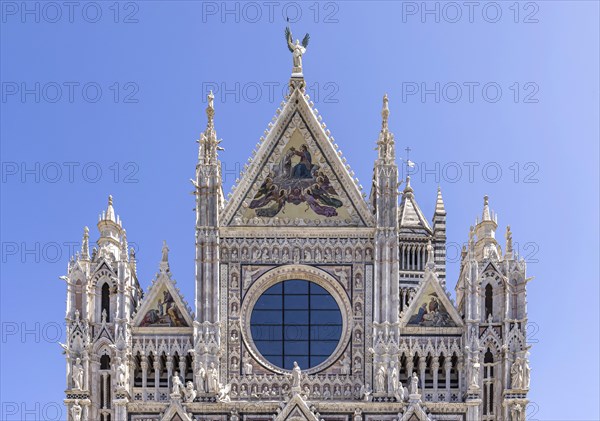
297	50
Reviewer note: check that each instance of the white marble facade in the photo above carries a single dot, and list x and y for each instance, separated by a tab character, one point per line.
403	350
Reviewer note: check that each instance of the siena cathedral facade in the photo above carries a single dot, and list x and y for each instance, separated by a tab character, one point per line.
314	301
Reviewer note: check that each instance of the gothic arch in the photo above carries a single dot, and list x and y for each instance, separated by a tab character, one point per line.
492	300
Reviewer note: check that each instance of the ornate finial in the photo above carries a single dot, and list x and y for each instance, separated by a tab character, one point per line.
124	246
297	49
385	112
210	111
385	143
509	244
110	211
486	210
408	188
209	144
471	237
165	252
439	204
85	244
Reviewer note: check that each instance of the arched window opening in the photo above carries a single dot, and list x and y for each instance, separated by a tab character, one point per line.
105	305
164	378
403	373
151	371
137	374
454	372
489	300
429	372
105	362
442	372
488	385
79	296
104	385
189	367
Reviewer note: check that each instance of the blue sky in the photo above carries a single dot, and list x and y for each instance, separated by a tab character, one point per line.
109	98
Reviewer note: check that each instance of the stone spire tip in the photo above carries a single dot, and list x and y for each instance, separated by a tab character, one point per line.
385	112
439	204
110	211
486	216
408	188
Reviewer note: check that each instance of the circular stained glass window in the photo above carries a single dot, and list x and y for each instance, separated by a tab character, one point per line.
296	320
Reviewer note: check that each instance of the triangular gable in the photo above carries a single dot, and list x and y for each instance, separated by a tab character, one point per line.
415	413
296	409
491	267
431	307
175	412
297	177
163	306
410	215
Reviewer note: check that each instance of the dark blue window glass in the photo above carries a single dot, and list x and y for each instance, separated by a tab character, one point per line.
296	320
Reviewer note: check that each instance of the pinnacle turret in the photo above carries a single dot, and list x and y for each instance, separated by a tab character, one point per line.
85	244
486	216
109	214
439	204
111	230
485	230
385	143
209	144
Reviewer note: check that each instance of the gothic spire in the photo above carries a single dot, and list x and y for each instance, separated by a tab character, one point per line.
209	144
485	230
439	204
85	244
111	230
486	210
124	247
110	211
385	143
385	112
509	243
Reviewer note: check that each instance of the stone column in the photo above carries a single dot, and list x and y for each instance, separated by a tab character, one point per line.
144	365
156	366
409	367
70	299
459	368
94	388
422	367
182	368
104	404
435	366
120	409
169	371
86	371
448	368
